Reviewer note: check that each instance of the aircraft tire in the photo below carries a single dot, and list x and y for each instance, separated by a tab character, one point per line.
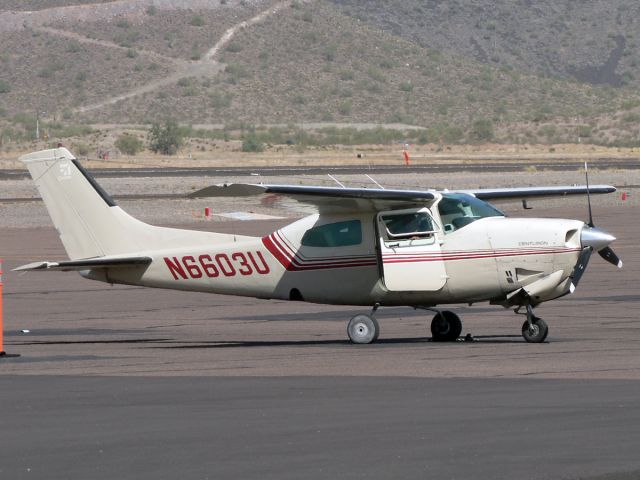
446	328
363	329
538	331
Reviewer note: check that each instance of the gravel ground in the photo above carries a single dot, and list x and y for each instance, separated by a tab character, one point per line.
177	211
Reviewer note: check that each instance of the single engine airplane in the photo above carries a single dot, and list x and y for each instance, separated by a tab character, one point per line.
369	247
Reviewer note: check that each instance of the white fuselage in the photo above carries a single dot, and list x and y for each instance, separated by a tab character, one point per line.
485	260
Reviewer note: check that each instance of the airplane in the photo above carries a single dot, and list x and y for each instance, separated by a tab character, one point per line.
370	247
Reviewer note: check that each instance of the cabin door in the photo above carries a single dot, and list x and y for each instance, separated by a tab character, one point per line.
410	251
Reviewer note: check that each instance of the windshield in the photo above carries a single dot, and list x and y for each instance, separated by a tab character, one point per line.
458	210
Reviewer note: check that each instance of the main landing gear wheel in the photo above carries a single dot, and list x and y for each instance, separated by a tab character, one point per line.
363	329
446	327
536	332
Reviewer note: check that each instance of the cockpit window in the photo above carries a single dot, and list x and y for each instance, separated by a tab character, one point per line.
458	210
340	234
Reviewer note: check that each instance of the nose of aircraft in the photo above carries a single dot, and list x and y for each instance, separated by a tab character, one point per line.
595	238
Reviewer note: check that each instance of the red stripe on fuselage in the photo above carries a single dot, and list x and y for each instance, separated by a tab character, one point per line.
293	263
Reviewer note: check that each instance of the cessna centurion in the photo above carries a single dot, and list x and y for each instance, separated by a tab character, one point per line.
369	247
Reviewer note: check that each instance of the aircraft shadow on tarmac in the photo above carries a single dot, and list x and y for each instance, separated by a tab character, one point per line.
484	339
610	298
91	341
340	315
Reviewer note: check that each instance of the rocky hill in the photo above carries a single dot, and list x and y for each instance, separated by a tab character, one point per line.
593	42
466	71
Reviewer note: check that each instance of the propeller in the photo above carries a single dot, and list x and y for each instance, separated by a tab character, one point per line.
595	238
586	176
609	255
580	267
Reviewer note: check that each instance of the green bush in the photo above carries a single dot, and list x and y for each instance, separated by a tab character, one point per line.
126	38
197	21
235	72
376	74
481	130
632	117
220	100
73	47
330	53
548	131
345	108
251	143
406	86
5	87
129	144
165	139
584	131
81	148
234	47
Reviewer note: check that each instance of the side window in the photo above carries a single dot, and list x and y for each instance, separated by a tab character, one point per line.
405	225
340	234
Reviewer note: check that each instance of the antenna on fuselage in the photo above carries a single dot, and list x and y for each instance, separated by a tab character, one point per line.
335	180
371	178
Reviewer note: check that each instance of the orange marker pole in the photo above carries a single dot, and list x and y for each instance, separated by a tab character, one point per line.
2	352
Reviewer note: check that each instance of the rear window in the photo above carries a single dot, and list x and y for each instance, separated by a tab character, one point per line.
339	234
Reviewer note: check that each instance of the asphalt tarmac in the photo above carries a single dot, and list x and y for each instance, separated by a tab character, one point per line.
125	382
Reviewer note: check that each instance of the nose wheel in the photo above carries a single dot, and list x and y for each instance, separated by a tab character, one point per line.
534	329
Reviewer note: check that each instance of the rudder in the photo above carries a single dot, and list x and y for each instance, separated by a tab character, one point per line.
87	219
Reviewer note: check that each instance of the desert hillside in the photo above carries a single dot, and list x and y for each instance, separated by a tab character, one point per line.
462	71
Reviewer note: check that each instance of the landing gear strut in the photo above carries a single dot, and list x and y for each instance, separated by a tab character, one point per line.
534	329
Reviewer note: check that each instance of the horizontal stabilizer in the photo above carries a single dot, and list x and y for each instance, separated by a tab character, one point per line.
87	264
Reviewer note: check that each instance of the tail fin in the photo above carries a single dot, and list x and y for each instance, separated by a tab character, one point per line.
88	221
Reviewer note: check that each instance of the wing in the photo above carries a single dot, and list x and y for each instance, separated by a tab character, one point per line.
87	264
329	199
497	195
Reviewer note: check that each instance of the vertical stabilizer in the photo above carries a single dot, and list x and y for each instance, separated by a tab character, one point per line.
87	219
